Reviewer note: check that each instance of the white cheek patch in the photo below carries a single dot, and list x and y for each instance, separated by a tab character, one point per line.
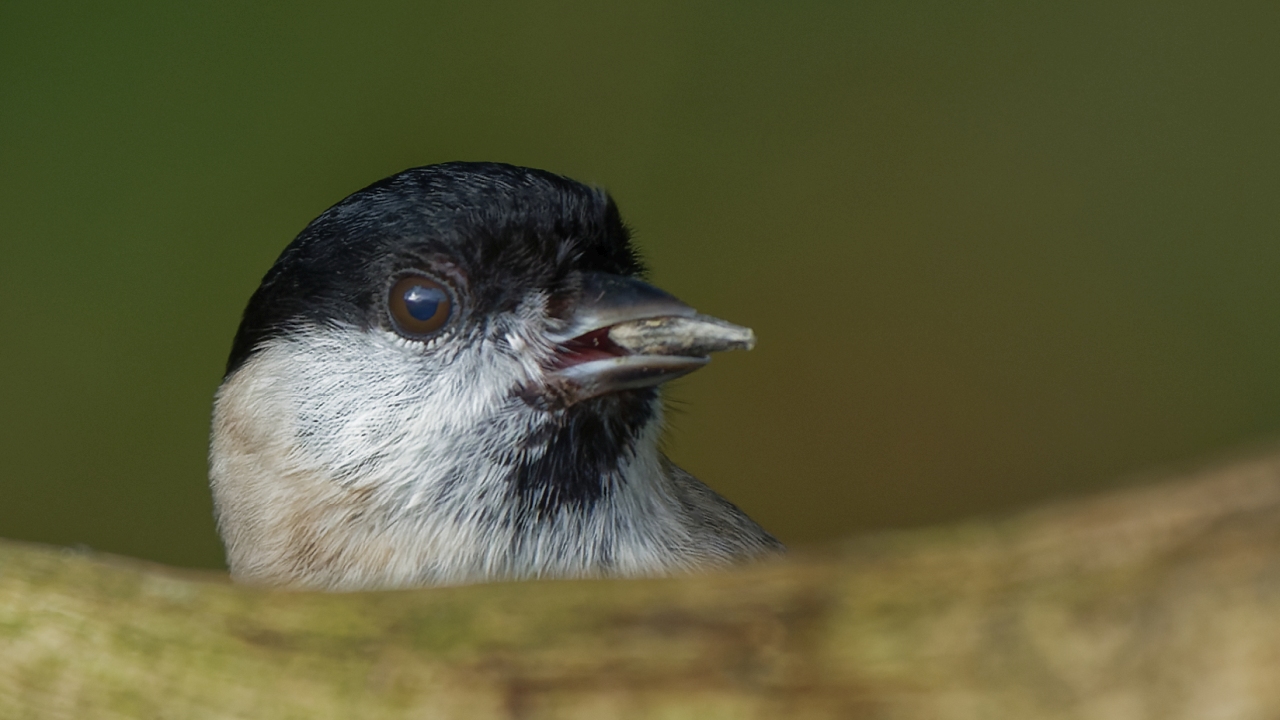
373	409
525	334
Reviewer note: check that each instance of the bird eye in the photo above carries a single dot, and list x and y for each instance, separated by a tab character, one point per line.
419	306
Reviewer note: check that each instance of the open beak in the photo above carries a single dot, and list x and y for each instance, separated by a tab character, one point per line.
625	333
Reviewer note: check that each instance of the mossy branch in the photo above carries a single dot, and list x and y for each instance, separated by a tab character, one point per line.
1162	602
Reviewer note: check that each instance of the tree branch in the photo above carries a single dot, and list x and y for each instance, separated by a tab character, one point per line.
1162	602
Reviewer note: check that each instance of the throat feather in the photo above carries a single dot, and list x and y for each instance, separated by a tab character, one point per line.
582	452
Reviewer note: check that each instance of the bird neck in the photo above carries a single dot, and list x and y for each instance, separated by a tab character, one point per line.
522	495
336	469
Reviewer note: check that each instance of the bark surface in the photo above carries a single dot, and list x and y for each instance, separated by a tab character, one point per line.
1159	602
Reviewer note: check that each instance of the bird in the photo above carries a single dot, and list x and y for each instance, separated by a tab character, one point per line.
453	376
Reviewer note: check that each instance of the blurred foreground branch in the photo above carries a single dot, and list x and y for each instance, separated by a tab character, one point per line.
1162	602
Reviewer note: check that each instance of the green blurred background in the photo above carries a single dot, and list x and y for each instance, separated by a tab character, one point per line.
995	252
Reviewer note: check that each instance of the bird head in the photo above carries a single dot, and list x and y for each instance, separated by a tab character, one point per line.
458	350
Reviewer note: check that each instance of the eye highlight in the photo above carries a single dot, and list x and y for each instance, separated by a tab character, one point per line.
419	306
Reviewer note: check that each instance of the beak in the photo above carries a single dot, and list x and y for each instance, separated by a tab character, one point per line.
626	334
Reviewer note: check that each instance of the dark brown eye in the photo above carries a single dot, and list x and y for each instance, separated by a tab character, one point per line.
419	306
